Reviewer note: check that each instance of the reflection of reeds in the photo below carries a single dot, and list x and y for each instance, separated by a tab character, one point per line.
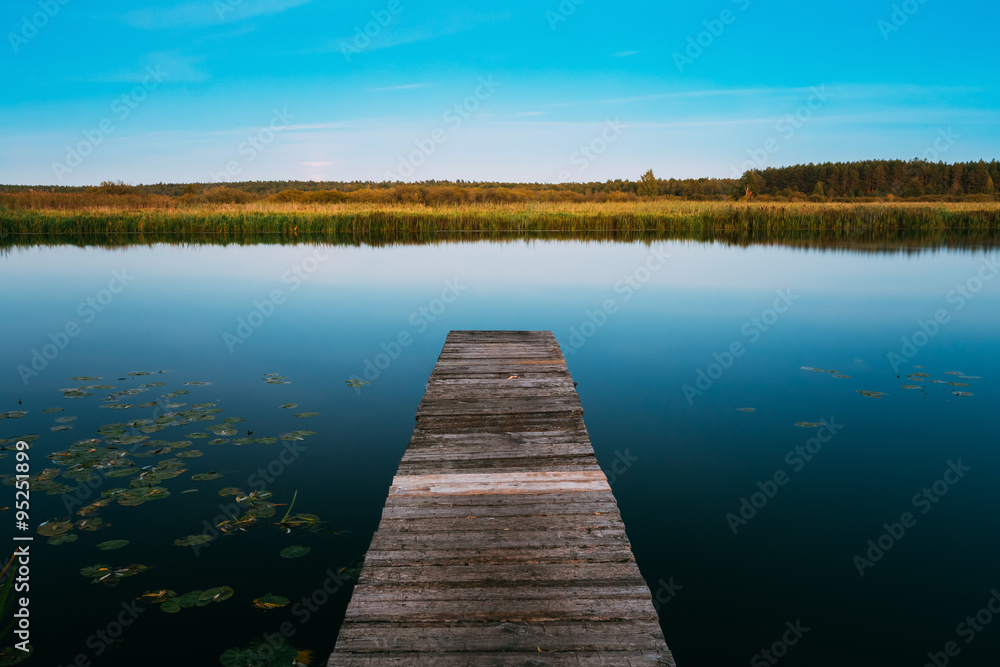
352	223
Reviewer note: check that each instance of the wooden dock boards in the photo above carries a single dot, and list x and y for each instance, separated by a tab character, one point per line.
500	542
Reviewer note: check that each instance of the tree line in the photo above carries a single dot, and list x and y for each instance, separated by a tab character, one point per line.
832	181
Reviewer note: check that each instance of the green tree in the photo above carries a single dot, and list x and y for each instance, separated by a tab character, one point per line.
648	185
989	188
818	190
751	185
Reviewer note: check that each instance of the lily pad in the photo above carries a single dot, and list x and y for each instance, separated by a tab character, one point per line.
190	454
65	538
192	540
51	410
294	551
170	606
95	571
263	511
111	545
356	383
53	528
14	414
231	491
244	441
122	472
912	386
102	573
206	476
57	429
260	654
288	406
809	424
74	393
266	441
271	601
962	394
307	414
872	394
746	409
156	597
84	378
217	594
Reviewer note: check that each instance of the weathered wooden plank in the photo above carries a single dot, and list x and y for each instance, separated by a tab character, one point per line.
484	555
500	542
539	508
506	659
517	573
467	637
501	609
457	484
498	406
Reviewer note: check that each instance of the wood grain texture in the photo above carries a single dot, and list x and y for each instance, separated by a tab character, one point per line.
500	542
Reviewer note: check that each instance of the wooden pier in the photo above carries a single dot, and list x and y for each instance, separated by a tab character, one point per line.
500	542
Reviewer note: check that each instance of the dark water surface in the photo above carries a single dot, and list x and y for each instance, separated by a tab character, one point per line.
743	523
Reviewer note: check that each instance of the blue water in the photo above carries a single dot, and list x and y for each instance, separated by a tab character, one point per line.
666	342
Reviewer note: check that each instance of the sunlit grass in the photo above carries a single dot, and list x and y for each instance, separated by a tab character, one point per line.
353	222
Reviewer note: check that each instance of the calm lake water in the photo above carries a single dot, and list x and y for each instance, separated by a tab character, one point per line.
743	523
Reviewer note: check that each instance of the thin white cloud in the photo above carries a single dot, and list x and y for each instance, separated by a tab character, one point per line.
320	164
198	14
531	113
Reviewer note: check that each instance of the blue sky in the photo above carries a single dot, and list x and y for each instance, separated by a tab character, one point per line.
578	90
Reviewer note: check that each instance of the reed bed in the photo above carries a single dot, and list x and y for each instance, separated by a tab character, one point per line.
270	222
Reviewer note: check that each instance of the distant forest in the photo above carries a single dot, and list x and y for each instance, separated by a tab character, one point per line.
871	180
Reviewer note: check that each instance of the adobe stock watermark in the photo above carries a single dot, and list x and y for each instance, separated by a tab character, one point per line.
562	12
102	638
627	287
121	109
302	611
32	25
793	633
927	329
698	44
665	592
88	487
753	329
923	501
419	321
786	128
87	310
453	118
621	464
591	152
257	481
796	459
364	36
264	309
967	630
255	144
899	17
942	144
